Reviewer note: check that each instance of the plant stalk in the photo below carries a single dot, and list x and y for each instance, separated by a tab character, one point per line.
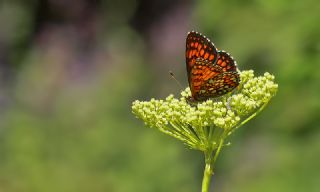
207	176
210	158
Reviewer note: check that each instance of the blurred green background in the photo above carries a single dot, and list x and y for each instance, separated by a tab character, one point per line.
70	70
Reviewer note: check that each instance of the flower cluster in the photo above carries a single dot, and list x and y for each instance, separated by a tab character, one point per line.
203	125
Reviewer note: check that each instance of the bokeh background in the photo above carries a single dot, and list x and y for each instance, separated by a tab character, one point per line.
70	70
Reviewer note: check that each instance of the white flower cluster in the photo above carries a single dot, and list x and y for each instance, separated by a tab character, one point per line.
203	124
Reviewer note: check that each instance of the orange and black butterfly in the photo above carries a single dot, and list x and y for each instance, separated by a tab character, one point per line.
211	73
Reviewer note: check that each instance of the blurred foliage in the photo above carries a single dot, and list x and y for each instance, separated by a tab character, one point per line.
70	72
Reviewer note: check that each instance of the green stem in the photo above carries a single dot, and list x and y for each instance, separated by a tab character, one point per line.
218	150
208	170
207	174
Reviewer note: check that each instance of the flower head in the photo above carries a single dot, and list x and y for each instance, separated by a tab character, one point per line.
203	125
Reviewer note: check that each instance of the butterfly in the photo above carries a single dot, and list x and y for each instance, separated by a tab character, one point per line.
211	72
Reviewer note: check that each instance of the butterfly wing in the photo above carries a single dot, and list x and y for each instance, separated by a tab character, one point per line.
198	46
201	73
224	82
226	61
208	80
219	85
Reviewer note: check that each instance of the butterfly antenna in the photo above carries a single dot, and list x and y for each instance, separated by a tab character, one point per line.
174	78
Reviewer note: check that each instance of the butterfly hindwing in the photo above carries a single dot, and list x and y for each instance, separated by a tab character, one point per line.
221	84
226	61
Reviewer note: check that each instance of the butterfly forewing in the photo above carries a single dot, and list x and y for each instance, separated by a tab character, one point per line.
198	46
